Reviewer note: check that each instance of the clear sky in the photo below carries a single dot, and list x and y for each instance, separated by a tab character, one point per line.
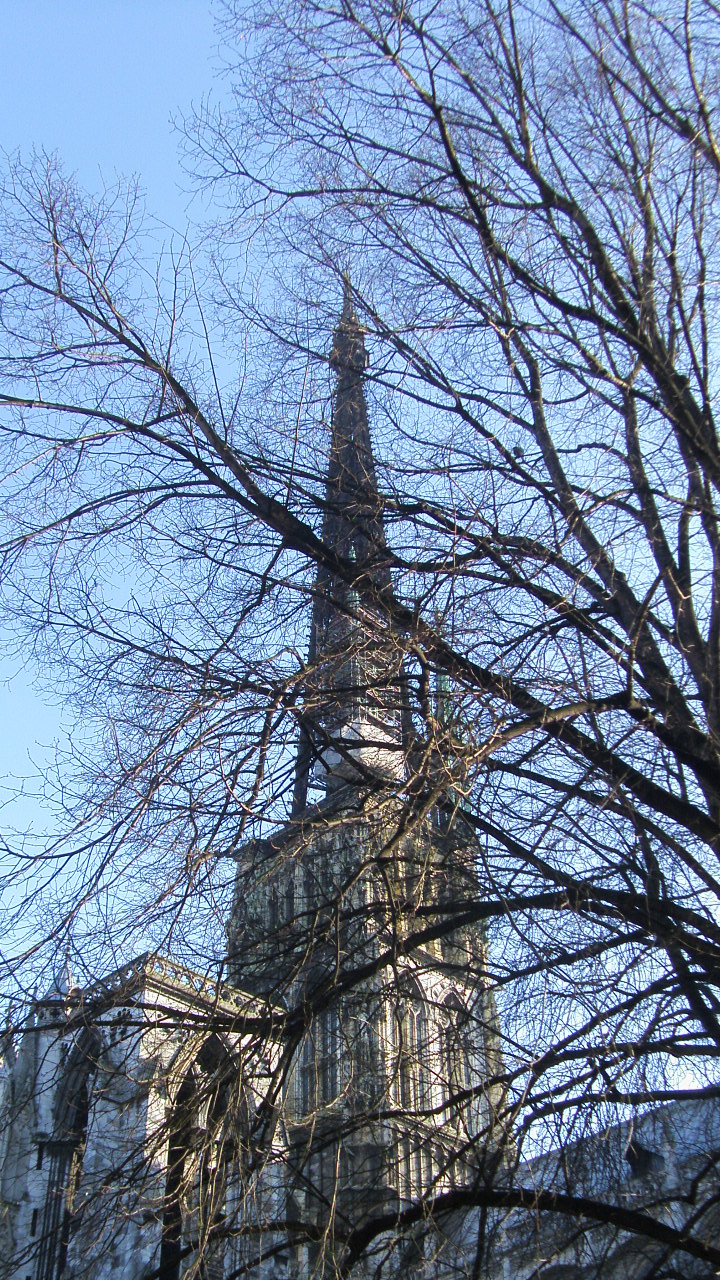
97	81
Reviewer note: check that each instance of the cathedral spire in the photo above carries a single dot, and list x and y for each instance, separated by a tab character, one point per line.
353	520
351	728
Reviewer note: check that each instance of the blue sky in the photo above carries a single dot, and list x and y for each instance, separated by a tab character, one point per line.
98	82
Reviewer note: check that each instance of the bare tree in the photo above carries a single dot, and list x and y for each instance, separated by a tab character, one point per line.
524	198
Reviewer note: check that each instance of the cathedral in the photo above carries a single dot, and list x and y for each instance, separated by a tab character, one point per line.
304	1111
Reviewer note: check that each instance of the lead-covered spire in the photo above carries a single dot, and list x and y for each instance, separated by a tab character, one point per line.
351	730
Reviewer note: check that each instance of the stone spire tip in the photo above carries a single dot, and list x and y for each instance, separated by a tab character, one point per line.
348	309
348	349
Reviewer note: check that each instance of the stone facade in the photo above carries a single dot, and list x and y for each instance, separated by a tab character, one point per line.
392	1070
88	1111
663	1165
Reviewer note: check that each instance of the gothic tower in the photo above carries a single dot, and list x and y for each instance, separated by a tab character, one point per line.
391	1092
311	1116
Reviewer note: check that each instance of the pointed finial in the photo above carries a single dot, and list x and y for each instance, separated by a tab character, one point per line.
348	311
63	981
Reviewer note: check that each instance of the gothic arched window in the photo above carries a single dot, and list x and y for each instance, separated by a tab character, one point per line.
412	1072
461	1101
66	1150
204	1127
456	1061
318	1082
